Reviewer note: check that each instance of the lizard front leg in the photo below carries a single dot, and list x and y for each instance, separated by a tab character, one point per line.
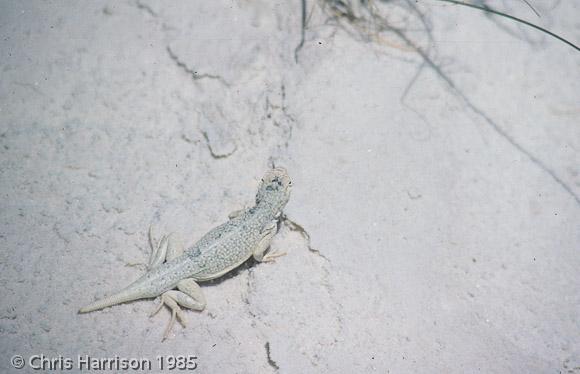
237	213
259	253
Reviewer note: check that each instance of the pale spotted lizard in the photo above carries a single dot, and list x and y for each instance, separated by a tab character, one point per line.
247	233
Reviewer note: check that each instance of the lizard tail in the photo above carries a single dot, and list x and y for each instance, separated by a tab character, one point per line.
128	294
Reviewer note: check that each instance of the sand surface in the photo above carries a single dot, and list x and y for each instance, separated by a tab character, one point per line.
441	209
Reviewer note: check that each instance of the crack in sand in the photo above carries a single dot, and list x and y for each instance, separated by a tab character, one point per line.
326	272
216	155
146	8
194	74
296	227
271	362
285	120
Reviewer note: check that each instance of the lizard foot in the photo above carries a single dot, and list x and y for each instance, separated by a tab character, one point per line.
272	256
166	299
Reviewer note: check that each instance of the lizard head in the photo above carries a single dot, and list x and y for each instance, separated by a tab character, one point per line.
274	188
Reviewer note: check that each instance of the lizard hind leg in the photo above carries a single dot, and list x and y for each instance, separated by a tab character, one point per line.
169	247
175	246
191	296
188	296
158	250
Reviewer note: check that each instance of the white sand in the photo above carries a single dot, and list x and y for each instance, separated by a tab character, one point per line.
442	240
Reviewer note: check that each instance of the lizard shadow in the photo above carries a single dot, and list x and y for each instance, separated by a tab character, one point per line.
247	265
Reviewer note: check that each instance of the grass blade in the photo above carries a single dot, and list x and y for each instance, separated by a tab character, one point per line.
501	14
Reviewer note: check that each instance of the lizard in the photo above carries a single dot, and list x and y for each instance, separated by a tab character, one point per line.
248	233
